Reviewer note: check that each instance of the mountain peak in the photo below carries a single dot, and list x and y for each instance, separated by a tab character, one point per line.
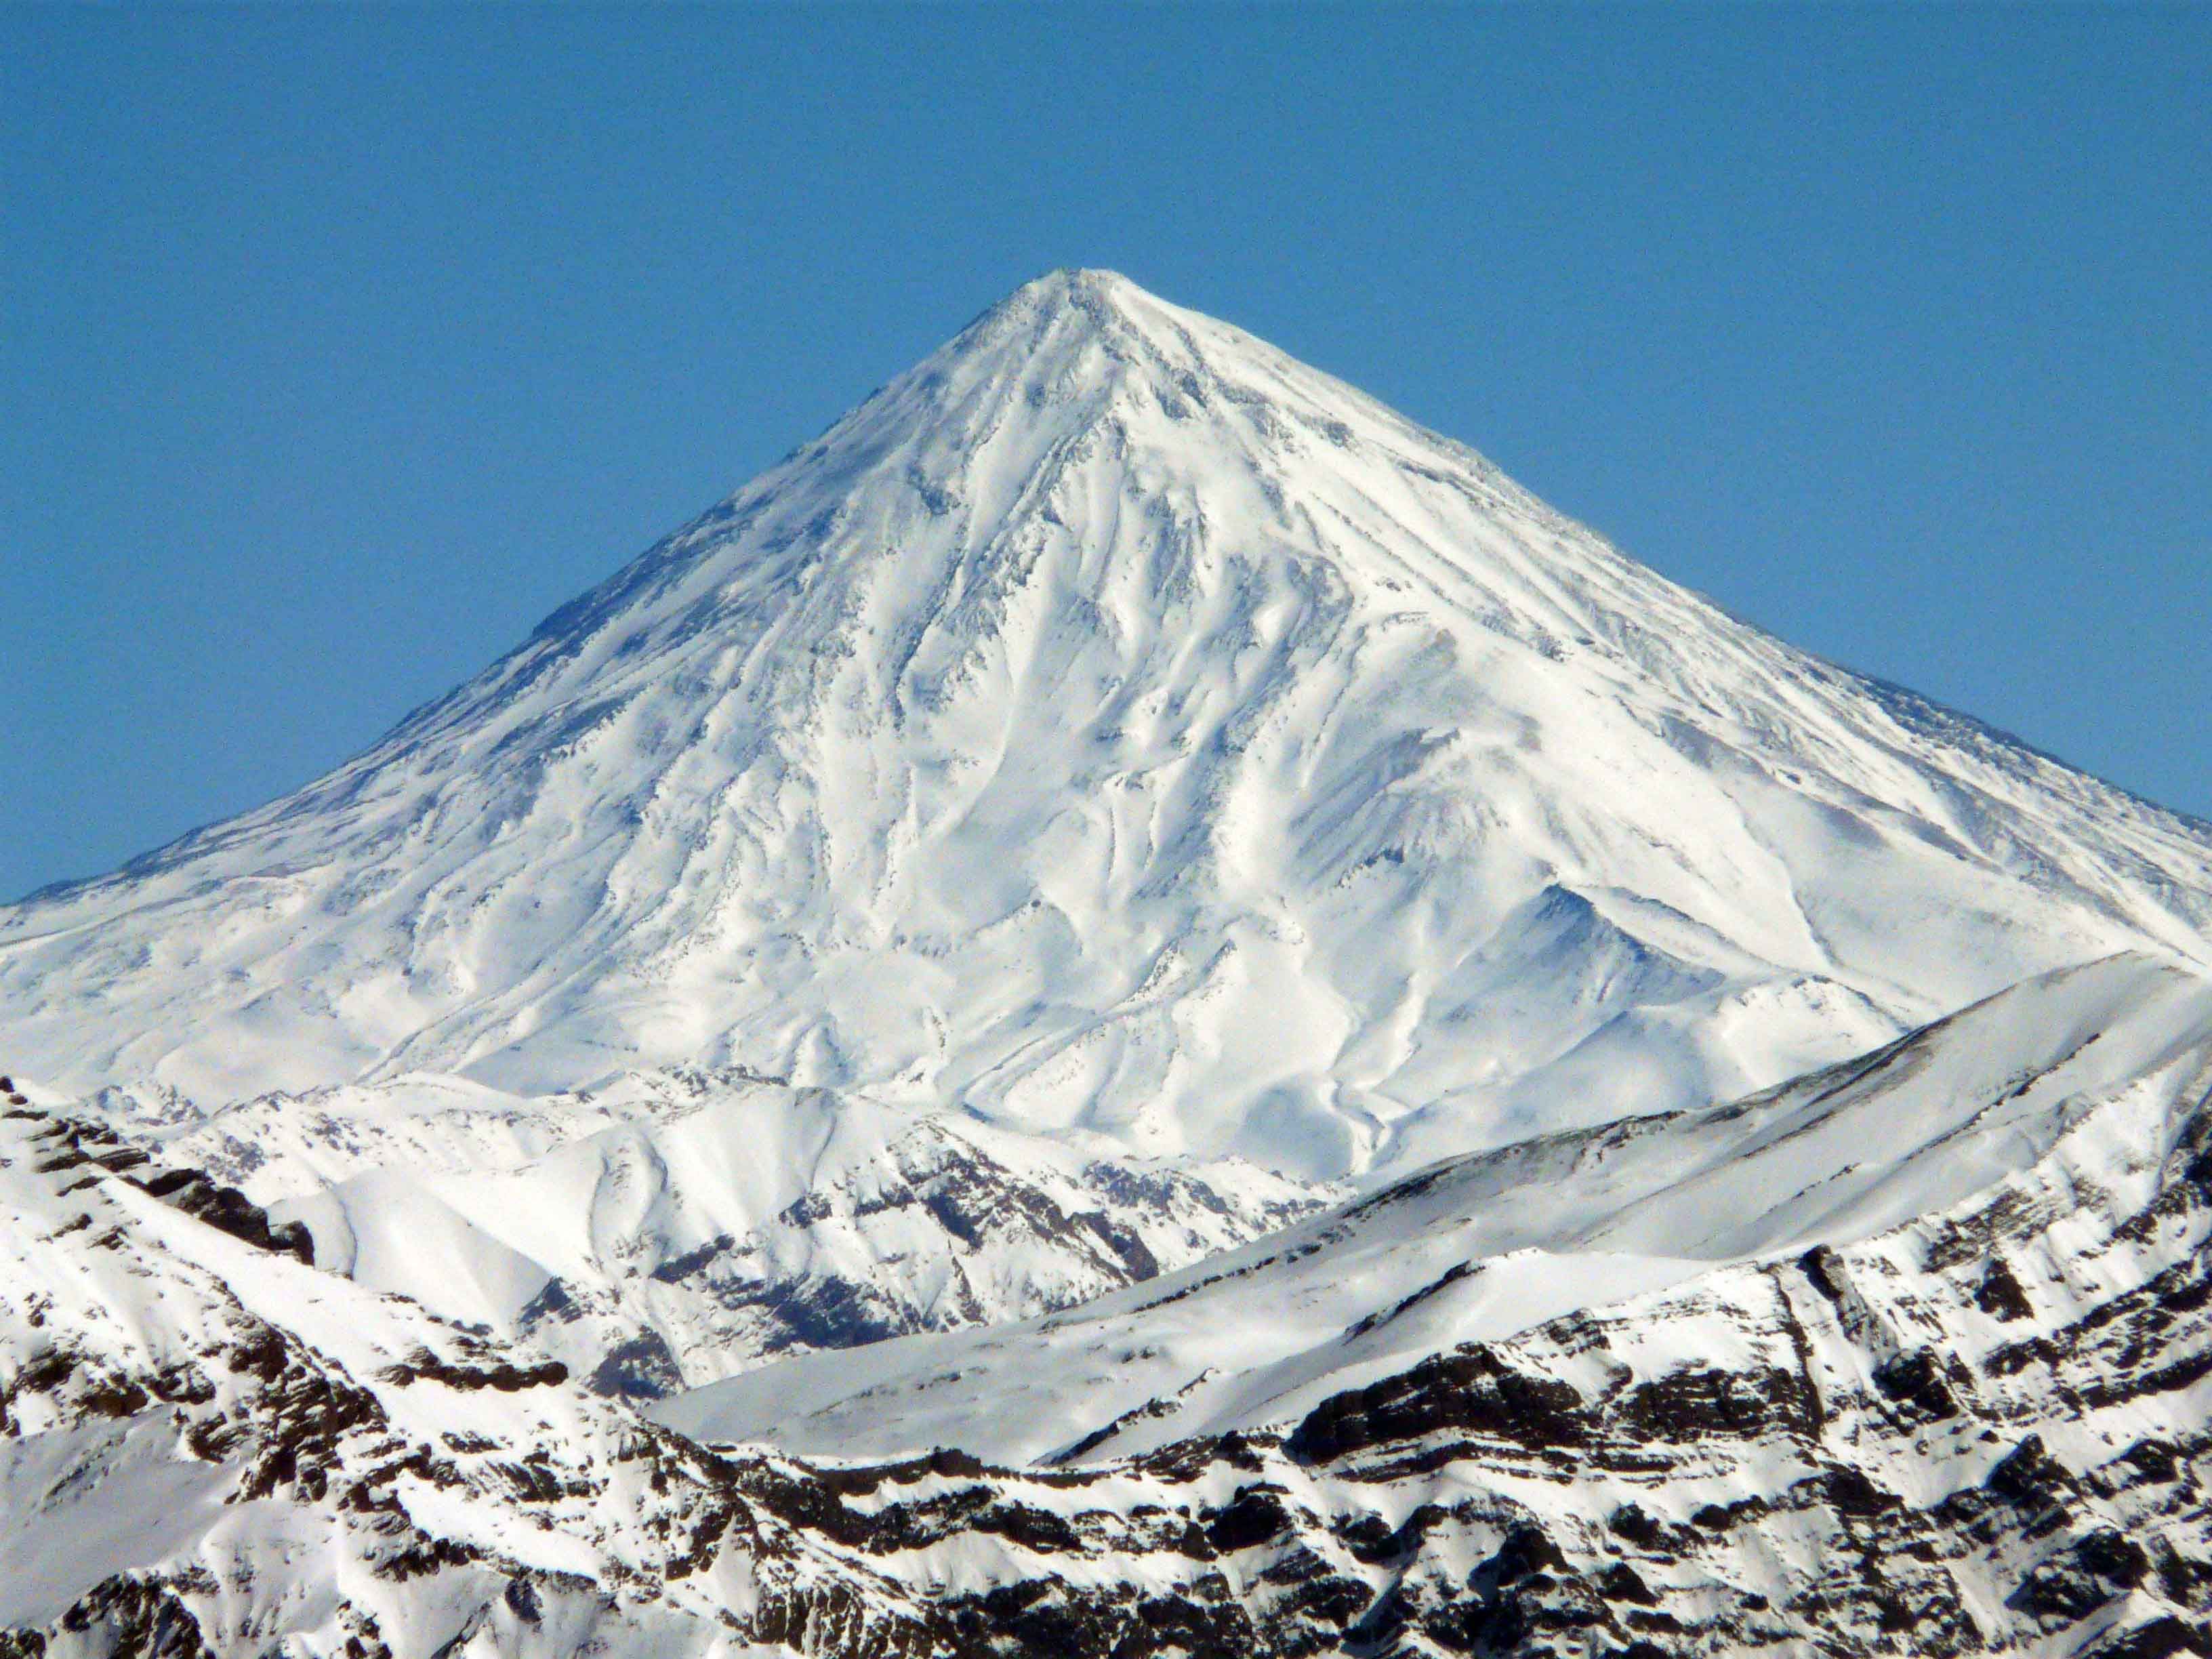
1075	317
1074	284
1102	298
1115	726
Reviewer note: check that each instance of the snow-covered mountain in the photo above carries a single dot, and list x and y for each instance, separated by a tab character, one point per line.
1114	726
1130	1009
207	1447
1970	1419
2054	1104
671	1228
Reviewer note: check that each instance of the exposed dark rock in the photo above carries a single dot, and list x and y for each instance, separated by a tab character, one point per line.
1472	1389
2061	1592
1630	1521
227	1210
2030	1475
2158	1639
1699	1402
1037	1530
1850	1492
1622	1583
1999	1294
1824	1268
678	1268
1256	1514
2113	1557
1923	1382
2153	1460
1724	1517
1526	1550
640	1369
140	1619
522	1600
498	1374
553	1302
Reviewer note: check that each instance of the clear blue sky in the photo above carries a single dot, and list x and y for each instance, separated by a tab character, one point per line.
340	345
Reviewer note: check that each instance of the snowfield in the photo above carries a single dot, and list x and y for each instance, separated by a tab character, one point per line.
2065	1087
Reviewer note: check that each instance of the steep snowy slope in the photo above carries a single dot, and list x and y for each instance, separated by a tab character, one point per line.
673	1227
1114	726
1979	1430
209	1448
2055	1104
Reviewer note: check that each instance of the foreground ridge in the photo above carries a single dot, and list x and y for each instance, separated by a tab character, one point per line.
1978	1429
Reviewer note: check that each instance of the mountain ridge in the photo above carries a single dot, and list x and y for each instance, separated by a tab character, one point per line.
1979	1430
1952	1121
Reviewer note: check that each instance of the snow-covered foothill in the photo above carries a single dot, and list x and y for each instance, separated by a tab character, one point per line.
2060	1098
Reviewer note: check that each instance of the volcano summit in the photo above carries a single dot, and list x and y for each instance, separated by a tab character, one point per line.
1114	726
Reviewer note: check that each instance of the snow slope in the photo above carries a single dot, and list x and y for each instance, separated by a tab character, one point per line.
2060	1098
672	1227
1980	1430
209	1448
1114	729
771	1221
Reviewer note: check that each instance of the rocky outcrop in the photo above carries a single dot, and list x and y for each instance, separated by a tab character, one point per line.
81	1142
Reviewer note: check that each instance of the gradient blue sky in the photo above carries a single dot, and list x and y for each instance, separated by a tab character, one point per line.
339	346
